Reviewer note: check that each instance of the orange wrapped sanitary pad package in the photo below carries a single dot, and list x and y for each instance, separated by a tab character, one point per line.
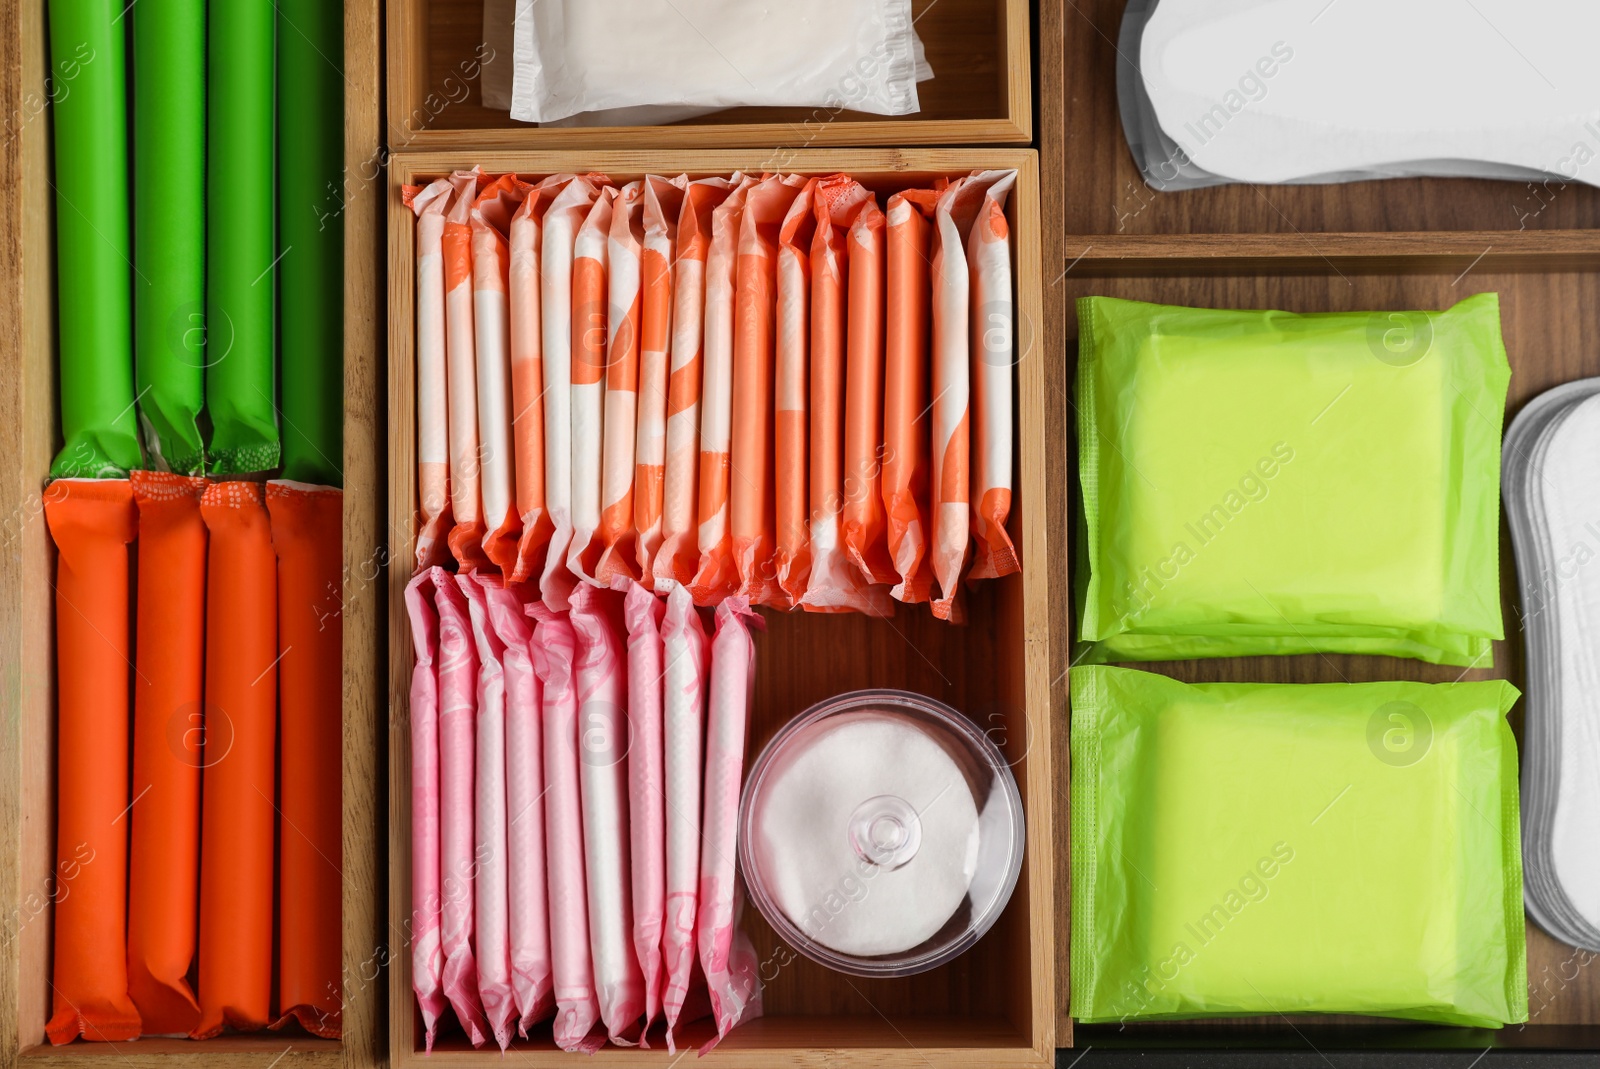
835	584
752	510
433	419
663	201
907	354
717	576
792	361
461	373
491	286
679	556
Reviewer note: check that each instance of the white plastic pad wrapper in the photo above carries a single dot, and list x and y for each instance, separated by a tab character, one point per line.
576	56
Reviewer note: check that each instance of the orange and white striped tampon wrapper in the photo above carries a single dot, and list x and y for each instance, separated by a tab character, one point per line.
792	556
663	200
624	286
994	357
491	284
461	374
950	452
678	558
561	224
835	583
717	577
527	376
589	356
864	528
906	336
433	414
752	511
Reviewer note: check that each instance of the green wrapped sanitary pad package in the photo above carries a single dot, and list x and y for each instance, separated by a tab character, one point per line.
1266	482
1249	849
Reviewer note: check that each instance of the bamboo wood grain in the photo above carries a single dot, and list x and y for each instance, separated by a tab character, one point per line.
1452	251
996	1004
364	1039
981	92
28	439
12	467
1058	478
21	453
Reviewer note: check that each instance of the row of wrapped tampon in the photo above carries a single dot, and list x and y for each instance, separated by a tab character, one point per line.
575	799
764	386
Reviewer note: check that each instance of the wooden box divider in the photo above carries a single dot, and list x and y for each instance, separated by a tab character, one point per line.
29	437
1393	244
994	1006
981	91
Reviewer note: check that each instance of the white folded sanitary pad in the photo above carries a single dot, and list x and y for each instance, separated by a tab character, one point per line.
574	57
1282	91
1552	494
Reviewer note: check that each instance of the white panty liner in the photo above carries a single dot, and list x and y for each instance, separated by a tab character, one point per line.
1552	495
1276	91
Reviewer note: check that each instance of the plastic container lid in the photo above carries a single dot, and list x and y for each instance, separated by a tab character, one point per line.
881	833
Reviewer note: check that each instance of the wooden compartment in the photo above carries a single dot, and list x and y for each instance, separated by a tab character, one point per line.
1111	199
1548	322
29	438
995	1005
981	92
1397	244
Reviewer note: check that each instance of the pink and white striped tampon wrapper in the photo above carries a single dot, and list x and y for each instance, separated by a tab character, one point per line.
427	957
726	954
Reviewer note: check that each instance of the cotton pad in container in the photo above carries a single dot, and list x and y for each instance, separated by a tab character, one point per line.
881	833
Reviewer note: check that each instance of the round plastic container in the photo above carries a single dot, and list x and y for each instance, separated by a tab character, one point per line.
881	833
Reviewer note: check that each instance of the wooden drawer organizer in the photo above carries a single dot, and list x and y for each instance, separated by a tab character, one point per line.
981	92
994	1006
1400	244
29	438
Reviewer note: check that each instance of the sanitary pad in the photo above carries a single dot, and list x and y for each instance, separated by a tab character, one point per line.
1552	496
1280	90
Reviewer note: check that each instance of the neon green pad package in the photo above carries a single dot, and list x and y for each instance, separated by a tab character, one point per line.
1265	482
1262	849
